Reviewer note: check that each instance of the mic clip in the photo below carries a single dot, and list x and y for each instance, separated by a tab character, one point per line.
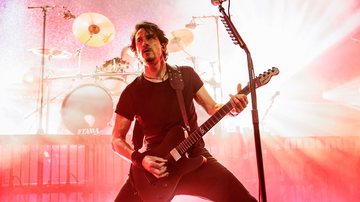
191	25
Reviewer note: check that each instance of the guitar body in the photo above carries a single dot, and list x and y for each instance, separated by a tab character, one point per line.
153	189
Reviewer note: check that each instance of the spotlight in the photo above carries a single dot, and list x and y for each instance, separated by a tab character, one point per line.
29	77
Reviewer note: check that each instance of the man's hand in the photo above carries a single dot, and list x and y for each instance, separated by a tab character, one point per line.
155	165
239	101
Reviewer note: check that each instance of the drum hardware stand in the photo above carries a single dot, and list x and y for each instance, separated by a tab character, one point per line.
79	51
44	9
272	100
192	59
49	100
92	75
217	84
216	18
40	130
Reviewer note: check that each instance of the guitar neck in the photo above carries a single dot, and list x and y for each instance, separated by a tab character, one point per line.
207	125
195	136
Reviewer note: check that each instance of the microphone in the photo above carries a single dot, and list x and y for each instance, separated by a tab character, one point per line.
217	2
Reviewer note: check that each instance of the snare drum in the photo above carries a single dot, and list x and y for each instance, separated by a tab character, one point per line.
87	109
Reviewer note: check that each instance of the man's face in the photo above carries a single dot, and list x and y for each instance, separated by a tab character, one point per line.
148	47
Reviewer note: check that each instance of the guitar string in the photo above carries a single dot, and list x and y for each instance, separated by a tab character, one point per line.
185	145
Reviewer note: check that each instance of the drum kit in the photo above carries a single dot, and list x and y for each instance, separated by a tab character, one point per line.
88	108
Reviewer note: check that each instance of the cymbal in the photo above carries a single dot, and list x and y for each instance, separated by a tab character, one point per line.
51	53
179	40
213	82
93	29
126	52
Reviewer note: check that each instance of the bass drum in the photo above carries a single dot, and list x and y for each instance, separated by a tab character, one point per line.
116	84
87	109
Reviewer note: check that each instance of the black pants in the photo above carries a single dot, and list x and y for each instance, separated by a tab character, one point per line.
211	181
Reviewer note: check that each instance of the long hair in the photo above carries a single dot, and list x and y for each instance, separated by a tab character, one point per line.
149	26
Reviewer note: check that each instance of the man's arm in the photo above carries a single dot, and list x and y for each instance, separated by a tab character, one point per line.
153	164
118	140
202	97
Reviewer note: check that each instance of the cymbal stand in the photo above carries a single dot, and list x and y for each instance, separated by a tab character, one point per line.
216	18
41	87
272	100
41	104
40	130
78	52
192	58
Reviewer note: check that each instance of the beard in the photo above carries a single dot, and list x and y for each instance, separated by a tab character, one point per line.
148	57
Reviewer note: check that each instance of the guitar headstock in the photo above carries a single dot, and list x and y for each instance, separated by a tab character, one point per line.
265	77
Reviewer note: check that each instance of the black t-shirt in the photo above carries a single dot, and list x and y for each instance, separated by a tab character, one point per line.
156	107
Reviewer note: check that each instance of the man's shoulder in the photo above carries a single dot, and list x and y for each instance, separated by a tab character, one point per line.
185	69
134	84
137	81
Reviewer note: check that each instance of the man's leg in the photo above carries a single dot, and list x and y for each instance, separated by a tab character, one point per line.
128	193
213	181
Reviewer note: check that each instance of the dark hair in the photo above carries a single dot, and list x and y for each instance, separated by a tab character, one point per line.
149	26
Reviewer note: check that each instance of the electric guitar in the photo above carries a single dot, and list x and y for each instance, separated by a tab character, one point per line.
174	148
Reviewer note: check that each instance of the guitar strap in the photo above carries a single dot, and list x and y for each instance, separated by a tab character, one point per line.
177	83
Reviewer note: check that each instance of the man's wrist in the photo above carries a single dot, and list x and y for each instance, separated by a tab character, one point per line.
136	158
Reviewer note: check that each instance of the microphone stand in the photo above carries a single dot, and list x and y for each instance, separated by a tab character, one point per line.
236	38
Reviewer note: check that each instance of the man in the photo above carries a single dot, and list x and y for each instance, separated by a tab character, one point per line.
152	101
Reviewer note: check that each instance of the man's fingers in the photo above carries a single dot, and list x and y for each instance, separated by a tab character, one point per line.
239	102
157	166
238	87
158	159
165	174
160	172
162	175
244	101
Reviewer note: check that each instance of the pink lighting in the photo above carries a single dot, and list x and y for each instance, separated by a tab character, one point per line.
309	114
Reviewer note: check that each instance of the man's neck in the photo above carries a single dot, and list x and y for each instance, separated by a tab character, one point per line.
155	70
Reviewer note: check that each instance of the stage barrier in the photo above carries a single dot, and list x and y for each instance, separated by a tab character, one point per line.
84	168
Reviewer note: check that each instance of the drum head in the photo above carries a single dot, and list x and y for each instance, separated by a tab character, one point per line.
114	85
87	109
